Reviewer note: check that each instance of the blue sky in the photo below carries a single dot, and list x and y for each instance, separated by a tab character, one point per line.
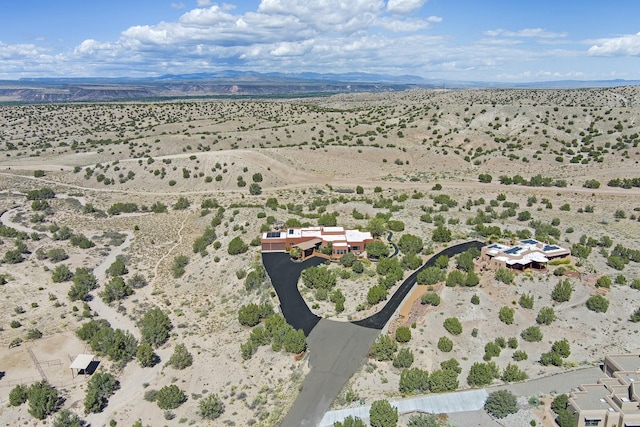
485	40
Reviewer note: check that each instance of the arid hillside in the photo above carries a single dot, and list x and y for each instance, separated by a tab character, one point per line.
119	212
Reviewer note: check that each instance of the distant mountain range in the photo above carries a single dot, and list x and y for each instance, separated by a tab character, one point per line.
231	83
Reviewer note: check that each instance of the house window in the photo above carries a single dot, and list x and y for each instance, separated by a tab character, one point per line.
355	248
591	422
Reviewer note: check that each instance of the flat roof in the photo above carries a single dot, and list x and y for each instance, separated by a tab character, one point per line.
308	244
592	397
625	362
82	361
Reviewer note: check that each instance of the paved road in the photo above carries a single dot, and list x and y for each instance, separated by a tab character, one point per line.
284	276
380	319
336	349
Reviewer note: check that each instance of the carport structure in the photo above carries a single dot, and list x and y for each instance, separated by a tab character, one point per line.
82	362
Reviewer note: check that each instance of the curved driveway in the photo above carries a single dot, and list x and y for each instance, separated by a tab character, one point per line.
336	349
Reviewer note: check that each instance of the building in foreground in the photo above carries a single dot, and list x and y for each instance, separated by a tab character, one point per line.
614	401
310	239
526	254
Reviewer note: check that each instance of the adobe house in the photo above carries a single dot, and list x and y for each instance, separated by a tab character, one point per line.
527	254
613	400
309	239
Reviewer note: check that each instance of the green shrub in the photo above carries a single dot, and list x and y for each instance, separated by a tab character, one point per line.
445	344
170	397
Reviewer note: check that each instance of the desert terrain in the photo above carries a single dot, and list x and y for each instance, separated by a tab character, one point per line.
144	182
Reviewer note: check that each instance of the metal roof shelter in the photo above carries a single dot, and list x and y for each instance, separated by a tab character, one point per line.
309	244
81	363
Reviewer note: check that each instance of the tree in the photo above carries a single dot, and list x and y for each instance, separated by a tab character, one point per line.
485	178
482	374
532	334
501	403
100	387
566	418
504	275
383	348
546	315
155	327
445	344
18	395
43	399
404	358
146	356
115	290
181	204
210	407
442	380
237	246
376	294
562	348
526	301
377	226
598	303
471	279
170	397
61	274
452	365
423	420
491	349
506	315
513	374
294	341
455	278
430	276
377	249
410	244
603	282
550	358
255	189
382	414
403	334
66	418
441	234
348	259
562	291
453	325
117	268
350	421
181	358
430	298
414	380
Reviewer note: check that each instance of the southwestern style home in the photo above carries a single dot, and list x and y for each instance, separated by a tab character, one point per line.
614	400
310	239
526	254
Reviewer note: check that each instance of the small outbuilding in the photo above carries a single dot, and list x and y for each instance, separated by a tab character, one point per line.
83	364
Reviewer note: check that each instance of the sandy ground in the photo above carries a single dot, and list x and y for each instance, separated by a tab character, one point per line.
304	150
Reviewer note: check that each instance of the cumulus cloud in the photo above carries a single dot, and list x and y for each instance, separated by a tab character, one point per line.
403	7
628	45
527	32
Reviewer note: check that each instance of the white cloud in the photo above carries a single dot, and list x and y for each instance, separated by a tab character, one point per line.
527	32
404	7
628	45
178	5
434	19
203	3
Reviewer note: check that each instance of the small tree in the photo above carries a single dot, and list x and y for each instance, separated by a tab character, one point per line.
482	374
117	268
377	249
18	395
526	301
414	380
598	303
100	387
382	414
504	275
441	234
442	380
181	358
546	315
170	397
430	298
403	334
562	348
562	291
210	407
445	344
61	274
350	421
66	418
501	403
155	327
453	325
532	334
513	374
146	356
43	399
506	315
383	348
404	358
237	246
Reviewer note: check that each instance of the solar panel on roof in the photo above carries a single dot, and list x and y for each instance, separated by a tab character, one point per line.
513	251
550	248
530	242
273	234
494	247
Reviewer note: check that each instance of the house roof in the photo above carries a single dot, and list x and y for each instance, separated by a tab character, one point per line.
308	244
